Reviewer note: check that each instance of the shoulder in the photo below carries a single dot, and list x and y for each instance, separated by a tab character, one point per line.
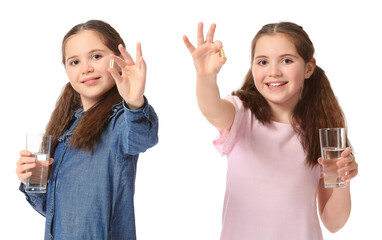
235	100
241	112
228	138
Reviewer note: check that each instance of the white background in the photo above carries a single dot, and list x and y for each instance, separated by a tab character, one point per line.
180	183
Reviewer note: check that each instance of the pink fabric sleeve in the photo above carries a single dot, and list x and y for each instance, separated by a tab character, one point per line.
226	139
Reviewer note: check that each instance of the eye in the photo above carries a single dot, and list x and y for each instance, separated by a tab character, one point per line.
74	62
262	62
96	56
287	61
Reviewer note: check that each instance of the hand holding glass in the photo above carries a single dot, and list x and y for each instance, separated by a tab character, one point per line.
333	143
39	146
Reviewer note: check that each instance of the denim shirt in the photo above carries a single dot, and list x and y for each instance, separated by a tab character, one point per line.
90	195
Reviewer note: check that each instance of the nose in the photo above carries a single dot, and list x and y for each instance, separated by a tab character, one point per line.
87	67
274	70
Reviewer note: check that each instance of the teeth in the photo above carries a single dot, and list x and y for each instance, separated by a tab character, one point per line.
275	84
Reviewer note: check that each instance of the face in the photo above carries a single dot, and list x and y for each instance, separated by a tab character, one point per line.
86	63
279	71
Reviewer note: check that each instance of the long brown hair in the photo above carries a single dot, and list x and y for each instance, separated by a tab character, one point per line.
88	131
317	106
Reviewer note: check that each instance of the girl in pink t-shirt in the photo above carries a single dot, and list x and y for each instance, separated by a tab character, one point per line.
269	133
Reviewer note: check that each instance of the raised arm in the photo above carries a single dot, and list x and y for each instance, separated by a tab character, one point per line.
140	131
208	62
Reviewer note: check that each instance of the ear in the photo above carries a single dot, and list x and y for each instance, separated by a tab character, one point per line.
309	68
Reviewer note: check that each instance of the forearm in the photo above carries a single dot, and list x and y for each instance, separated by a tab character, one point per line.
217	111
36	200
208	96
140	131
337	209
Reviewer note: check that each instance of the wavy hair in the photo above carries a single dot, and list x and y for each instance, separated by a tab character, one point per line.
317	106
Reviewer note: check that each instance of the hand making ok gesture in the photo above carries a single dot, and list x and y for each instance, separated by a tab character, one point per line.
131	83
208	57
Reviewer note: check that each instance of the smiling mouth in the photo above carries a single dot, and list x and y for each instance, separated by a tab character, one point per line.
276	84
91	79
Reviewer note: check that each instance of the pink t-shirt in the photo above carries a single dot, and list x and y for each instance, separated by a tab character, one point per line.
271	191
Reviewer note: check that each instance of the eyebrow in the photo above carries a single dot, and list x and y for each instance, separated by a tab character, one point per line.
90	53
281	56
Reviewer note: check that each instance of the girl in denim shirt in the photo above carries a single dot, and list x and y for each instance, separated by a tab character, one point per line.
100	124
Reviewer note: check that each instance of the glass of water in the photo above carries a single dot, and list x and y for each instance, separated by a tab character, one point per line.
39	146
333	143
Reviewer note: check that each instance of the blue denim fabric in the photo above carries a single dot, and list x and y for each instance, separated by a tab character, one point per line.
90	196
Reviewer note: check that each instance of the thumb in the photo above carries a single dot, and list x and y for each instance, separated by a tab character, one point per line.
115	74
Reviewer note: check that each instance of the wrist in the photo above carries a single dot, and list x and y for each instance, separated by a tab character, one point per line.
206	77
135	105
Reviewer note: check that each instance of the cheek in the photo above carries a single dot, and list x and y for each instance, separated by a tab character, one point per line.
72	75
298	76
258	76
103	65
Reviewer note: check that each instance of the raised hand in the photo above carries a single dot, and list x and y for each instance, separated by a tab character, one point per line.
131	83
208	61
207	58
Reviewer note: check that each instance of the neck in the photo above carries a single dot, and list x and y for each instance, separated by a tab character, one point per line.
280	113
86	104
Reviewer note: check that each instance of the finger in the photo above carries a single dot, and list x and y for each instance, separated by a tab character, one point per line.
23	176
349	159
142	65
350	176
51	160
25	153
139	51
200	35
351	167
115	74
25	167
222	61
345	160
25	160
210	33
126	56
188	44
346	152
218	44
119	61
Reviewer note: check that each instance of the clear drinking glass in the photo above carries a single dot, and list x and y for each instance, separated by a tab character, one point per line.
333	143
39	146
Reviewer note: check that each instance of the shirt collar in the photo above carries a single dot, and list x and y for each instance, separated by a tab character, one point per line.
78	113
